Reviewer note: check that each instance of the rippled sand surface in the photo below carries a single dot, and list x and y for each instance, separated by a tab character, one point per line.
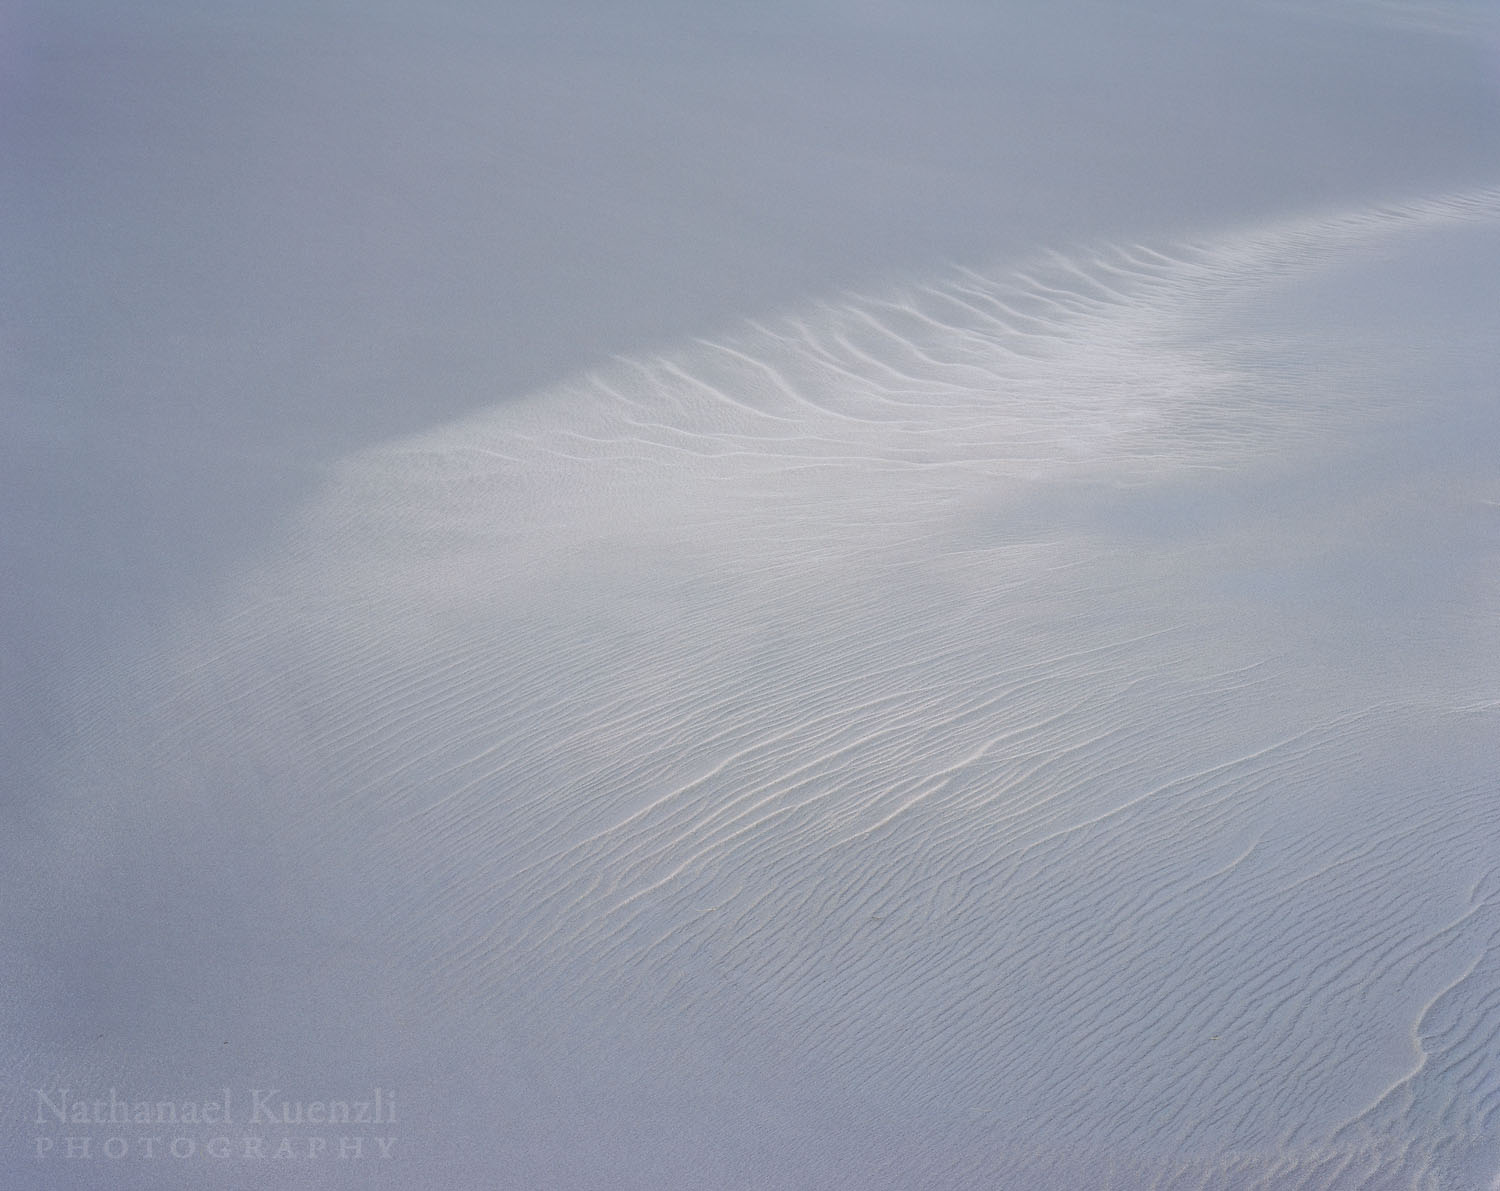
1019	721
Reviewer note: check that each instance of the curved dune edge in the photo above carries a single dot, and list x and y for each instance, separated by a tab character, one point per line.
804	697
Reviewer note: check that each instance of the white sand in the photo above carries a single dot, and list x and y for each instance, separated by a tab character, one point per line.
1028	725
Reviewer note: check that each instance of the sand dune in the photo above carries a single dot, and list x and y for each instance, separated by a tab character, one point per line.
935	716
1031	724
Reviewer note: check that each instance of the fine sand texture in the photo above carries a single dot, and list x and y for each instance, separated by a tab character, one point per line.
1021	714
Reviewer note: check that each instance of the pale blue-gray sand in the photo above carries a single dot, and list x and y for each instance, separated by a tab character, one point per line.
991	686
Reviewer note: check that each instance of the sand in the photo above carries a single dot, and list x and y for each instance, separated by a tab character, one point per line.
997	693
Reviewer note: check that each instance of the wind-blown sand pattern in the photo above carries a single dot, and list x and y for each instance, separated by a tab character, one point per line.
921	728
